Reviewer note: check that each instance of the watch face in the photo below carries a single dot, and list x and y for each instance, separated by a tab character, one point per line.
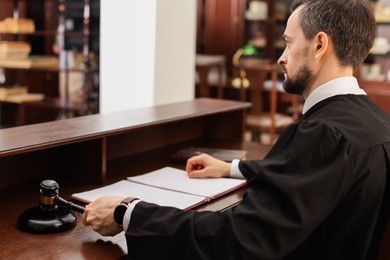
119	213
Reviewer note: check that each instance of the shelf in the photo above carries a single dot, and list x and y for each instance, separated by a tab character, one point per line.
52	69
52	33
31	62
56	103
380	54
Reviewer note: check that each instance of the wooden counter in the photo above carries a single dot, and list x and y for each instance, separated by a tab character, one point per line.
87	152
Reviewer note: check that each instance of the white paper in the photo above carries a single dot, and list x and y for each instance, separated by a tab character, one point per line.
166	187
146	193
178	180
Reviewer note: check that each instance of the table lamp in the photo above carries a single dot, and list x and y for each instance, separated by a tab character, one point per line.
245	51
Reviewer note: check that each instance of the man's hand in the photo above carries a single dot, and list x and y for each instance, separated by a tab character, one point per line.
100	215
203	166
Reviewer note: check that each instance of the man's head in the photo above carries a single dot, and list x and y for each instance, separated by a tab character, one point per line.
323	34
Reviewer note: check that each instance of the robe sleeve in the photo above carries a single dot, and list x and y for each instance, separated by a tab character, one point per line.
289	193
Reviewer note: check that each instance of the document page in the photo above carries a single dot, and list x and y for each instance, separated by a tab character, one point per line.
175	179
146	193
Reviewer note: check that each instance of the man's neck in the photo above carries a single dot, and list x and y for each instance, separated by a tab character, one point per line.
326	74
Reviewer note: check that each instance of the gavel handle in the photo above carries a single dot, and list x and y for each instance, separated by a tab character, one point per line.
69	204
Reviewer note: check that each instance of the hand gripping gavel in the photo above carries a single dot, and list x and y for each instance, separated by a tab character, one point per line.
53	213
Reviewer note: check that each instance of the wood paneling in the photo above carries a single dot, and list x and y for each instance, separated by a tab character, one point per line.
379	91
223	27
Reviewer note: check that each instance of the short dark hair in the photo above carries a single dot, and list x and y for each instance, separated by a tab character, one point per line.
350	24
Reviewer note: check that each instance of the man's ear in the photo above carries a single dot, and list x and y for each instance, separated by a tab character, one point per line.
321	44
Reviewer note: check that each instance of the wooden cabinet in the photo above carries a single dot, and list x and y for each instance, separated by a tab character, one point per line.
220	27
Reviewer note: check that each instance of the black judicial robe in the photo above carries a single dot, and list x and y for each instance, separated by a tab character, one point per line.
318	194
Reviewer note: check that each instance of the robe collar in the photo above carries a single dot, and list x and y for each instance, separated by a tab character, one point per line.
338	86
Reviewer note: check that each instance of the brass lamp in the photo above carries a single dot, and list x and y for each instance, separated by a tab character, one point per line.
242	80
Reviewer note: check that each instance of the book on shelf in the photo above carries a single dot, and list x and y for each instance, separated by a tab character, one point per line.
26	97
227	155
19	25
9	46
31	62
14	50
12	90
13	55
166	186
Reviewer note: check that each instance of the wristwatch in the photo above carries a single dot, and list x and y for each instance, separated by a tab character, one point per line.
120	210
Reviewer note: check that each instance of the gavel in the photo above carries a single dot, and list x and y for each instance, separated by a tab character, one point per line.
53	213
49	199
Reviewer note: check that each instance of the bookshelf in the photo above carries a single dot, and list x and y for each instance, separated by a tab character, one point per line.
224	26
374	74
65	41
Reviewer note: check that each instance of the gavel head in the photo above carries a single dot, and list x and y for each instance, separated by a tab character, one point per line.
48	192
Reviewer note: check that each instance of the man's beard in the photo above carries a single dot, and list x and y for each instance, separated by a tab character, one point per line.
299	83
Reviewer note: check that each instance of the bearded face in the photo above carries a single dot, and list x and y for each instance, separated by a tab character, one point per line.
298	83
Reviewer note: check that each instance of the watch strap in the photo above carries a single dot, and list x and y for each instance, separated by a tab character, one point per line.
128	200
121	209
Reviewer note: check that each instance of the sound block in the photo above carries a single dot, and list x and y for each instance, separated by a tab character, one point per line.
37	220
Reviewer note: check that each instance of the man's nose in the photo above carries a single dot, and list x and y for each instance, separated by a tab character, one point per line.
282	61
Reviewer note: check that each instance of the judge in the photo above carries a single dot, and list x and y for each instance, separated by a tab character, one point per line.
322	192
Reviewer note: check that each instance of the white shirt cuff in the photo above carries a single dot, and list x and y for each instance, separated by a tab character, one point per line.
127	216
235	171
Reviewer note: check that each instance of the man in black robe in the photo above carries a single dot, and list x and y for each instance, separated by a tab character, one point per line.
322	192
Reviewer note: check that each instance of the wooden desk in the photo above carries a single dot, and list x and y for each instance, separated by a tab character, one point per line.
85	152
